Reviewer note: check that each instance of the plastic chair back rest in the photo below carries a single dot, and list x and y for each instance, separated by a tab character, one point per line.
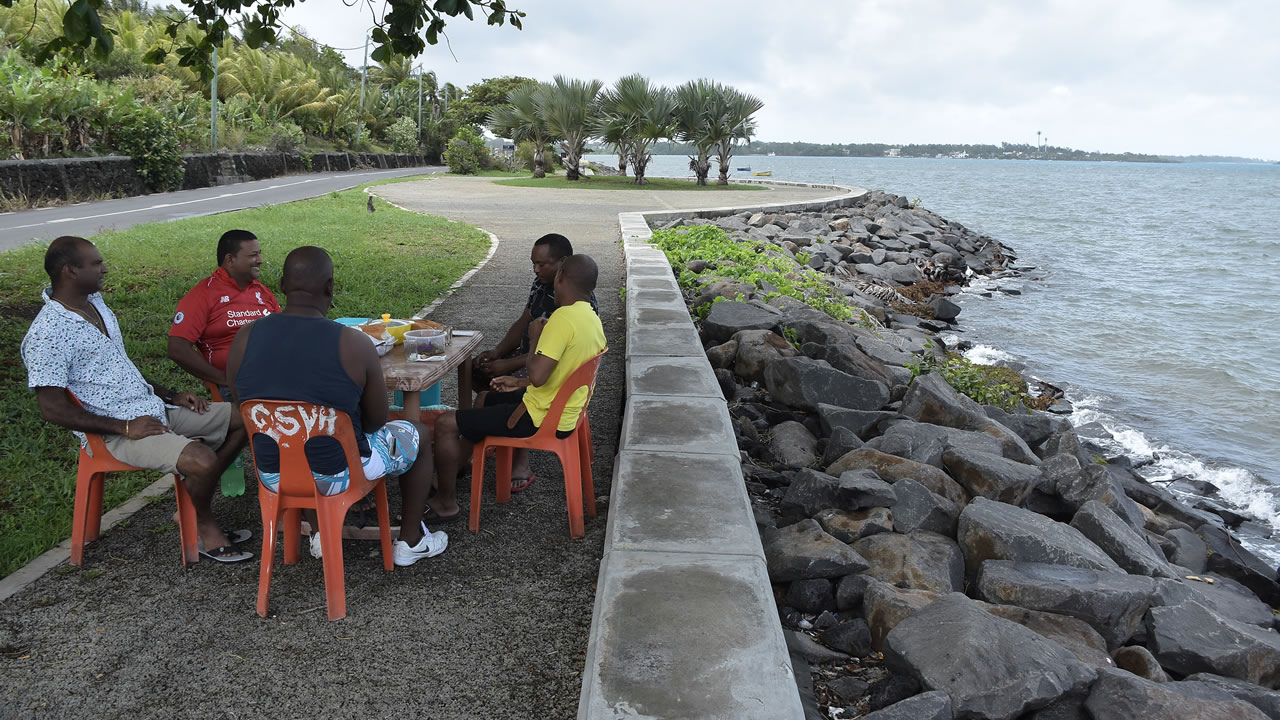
290	424
585	375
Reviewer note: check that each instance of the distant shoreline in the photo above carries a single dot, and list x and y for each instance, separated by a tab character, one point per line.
1003	151
1157	161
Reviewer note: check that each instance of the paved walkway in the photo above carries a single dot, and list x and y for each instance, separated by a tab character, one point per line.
496	627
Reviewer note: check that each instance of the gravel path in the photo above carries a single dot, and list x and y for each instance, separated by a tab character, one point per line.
496	627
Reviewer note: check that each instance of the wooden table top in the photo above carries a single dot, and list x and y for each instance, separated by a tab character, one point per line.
408	376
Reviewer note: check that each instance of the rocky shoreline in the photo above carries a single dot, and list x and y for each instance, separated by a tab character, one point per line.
933	557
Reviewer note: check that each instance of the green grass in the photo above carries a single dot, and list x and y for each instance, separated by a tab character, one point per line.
619	182
496	173
391	261
406	178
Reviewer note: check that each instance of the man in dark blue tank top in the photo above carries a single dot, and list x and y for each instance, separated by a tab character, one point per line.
300	354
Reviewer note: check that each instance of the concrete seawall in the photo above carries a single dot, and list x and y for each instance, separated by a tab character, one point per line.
684	623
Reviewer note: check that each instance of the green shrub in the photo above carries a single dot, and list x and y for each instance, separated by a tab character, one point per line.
151	140
985	384
461	157
403	135
287	137
466	153
749	261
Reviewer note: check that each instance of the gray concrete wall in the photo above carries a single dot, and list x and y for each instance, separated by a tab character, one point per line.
685	624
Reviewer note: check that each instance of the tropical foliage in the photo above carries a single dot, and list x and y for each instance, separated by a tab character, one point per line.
520	120
292	94
191	36
631	116
466	153
566	108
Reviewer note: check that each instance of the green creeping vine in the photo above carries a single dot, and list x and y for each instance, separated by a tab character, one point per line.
985	384
749	261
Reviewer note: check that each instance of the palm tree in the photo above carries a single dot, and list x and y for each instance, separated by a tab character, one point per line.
637	114
392	72
520	121
567	108
613	132
738	124
696	103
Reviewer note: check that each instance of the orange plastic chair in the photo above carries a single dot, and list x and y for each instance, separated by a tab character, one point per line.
291	424
215	395
91	476
574	451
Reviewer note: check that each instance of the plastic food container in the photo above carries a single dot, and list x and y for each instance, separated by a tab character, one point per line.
426	343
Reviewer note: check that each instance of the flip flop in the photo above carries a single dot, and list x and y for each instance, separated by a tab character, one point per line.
431	517
235	537
226	554
522	484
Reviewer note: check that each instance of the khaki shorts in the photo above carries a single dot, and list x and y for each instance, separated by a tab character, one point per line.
160	452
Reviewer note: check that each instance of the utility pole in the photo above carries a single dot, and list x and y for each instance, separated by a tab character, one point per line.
1037	140
364	71
419	104
213	104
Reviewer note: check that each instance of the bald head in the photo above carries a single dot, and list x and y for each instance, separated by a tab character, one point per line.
580	273
307	281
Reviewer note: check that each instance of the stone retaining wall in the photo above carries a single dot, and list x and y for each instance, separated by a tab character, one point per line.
66	179
684	623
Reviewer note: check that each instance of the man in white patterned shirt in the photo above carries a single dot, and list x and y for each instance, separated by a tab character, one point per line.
74	344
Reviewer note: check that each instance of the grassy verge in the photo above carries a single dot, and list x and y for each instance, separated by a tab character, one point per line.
495	173
391	261
620	182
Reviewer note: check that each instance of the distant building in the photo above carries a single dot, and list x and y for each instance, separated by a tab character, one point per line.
893	152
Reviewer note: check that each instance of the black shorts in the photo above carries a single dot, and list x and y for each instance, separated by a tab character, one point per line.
491	420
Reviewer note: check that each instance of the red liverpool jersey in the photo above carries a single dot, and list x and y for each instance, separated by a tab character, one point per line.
211	313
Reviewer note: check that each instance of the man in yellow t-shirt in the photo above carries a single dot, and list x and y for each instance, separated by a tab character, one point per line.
516	407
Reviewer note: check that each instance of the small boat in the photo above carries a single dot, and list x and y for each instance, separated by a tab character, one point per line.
746	169
765	173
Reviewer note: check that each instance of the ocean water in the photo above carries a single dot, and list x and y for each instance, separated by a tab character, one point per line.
1155	302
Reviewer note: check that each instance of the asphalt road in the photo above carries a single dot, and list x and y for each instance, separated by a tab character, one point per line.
89	219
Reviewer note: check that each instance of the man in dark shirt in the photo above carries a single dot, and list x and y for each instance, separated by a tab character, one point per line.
302	355
511	354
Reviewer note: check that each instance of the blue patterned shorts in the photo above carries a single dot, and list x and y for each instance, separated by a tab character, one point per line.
394	449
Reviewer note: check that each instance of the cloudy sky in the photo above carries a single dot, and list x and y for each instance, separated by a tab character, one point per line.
1150	76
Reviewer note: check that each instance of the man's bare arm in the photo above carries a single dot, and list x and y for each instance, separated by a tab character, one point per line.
362	363
235	354
511	340
182	352
58	408
540	368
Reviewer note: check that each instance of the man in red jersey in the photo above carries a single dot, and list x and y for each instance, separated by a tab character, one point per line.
210	314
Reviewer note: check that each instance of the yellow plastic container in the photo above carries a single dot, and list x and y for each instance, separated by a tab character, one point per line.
398	328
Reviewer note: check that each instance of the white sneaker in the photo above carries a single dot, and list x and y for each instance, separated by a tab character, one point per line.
315	546
431	545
